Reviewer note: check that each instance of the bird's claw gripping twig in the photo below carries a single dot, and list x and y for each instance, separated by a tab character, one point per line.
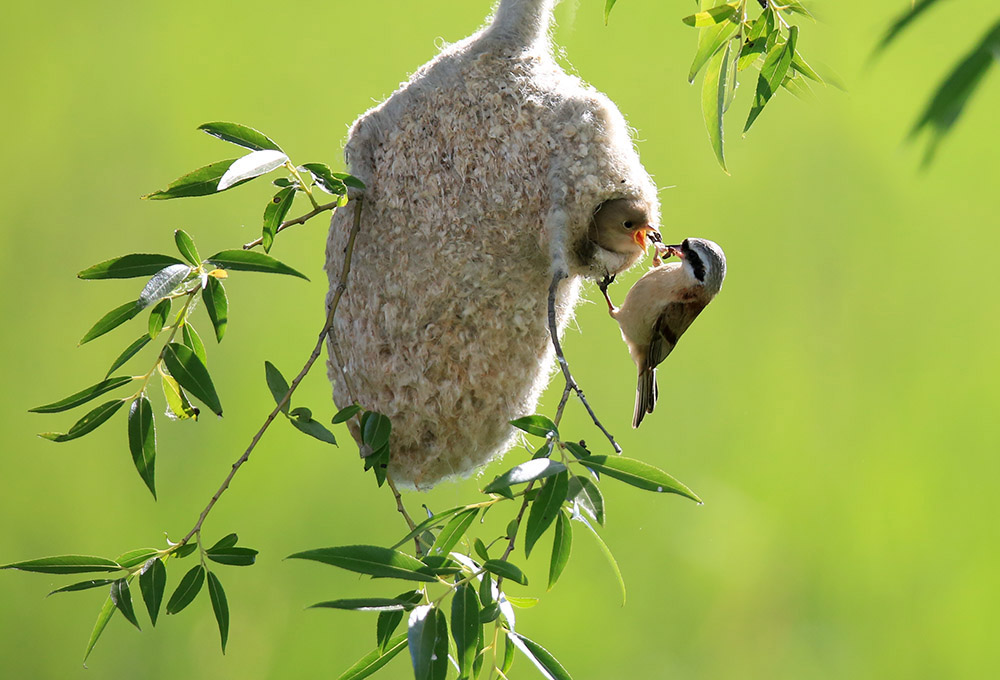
564	366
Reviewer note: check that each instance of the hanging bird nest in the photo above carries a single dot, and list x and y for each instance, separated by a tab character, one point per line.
483	173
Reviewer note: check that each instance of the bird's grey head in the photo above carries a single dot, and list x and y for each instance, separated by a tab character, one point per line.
705	261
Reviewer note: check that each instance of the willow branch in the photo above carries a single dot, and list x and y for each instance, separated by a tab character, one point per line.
298	220
317	350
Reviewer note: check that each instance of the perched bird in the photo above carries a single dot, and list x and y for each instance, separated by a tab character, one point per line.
660	307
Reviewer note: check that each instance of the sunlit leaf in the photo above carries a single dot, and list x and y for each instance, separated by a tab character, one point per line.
186	247
107	611
711	39
178	406
368	604
241	135
128	353
216	305
588	496
453	532
427	634
562	546
713	101
431	521
545	509
607	554
376	659
369	559
201	182
116	317
711	16
193	341
538	468
465	626
776	63
83	396
389	620
187	369
324	178
541	657
87	424
638	474
129	266
540	426
252	165
506	570
136	557
122	598
608	6
274	215
158	317
252	261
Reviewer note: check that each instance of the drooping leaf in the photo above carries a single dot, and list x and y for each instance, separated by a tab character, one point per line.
235	556
453	532
538	468
142	441
241	135
375	430
540	426
800	66
251	261
274	215
313	428
152	581
201	182
186	247
87	424
713	101
83	585
220	607
187	589
388	621
376	659
107	611
506	570
431	521
904	20
711	39
276	383
162	283
480	548
508	655
116	317
83	396
345	414
128	353
136	557
187	369
776	63
129	266
465	626
178	406
158	317
638	474
608	6
217	306
183	551
427	634
190	337
607	554
711	16
122	598
65	564
368	604
545	509
370	559
324	178
562	546
254	164
541	657
588	496
350	180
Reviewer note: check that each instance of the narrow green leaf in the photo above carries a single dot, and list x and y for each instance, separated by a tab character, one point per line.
201	182
388	621
713	101
158	317
371	560
540	426
190	337
142	441
122	598
251	261
313	428
241	135
162	283
136	557
798	87
776	63
427	635
562	546
185	550
506	570
187	589
538	655
65	564
107	611
116	317
376	659
800	66
486	590
588	496
227	541
178	406
83	396
345	414
220	606
129	266
234	556
545	509
428	523
638	474
453	532
284	183
129	352
538	468
274	215
711	39
711	17
187	369
83	585
508	655
350	180
904	20
254	164
480	548
796	8
607	554
368	604
217	306
376	430
152	581
87	424
186	247
608	6
465	626
276	383
325	180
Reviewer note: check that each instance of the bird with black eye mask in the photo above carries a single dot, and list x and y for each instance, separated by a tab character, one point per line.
662	305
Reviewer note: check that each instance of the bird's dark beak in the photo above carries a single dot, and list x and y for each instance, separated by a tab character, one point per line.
673	251
654	235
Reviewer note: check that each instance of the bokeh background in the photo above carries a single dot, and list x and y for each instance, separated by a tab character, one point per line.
836	407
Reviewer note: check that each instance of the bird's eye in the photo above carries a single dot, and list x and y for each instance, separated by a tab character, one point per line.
628	224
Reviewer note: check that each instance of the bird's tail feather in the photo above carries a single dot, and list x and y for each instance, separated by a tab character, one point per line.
645	396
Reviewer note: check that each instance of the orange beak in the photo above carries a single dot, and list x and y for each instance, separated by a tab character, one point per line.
641	234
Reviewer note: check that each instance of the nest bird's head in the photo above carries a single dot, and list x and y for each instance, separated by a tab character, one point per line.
622	226
703	260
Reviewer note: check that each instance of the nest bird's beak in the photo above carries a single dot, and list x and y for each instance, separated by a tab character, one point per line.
640	235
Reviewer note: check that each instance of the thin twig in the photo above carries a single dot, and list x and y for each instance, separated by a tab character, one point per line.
298	220
317	350
570	382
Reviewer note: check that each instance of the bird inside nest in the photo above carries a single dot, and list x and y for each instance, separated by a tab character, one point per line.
662	305
617	237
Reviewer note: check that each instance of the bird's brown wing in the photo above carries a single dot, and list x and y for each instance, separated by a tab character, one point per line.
670	325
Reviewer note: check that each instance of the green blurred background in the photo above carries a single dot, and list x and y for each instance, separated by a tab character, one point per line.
835	407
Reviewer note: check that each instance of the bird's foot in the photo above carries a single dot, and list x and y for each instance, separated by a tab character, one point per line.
603	285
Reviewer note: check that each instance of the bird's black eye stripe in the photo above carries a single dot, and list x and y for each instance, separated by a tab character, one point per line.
697	266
